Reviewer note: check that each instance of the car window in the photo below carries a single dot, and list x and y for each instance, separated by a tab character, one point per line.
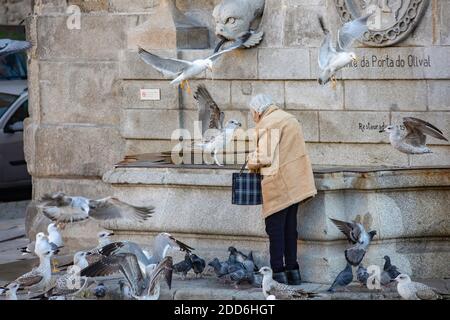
16	121
13	66
5	102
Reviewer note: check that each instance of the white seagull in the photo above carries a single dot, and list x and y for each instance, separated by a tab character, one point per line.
183	70
414	141
410	290
282	291
332	59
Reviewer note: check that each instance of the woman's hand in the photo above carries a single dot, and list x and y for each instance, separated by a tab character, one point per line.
257	161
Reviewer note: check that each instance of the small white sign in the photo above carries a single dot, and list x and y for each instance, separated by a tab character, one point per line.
151	94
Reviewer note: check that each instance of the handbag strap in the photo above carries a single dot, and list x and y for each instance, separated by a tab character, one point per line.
243	167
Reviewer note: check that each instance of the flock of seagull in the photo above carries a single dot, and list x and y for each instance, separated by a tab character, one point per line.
138	273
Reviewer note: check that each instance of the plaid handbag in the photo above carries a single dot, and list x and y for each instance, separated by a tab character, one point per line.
246	188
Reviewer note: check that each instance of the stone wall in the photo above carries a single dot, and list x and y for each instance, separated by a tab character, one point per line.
12	12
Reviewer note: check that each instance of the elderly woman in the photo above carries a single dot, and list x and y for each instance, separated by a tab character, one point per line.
288	180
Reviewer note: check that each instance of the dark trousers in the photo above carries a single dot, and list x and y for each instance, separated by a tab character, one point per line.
282	230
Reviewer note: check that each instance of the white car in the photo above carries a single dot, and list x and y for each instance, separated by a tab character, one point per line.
13	111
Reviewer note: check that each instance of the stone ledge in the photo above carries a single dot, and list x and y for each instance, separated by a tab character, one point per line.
326	178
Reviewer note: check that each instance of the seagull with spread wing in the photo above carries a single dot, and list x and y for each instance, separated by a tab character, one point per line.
144	286
331	58
183	70
215	136
414	141
8	46
66	209
357	235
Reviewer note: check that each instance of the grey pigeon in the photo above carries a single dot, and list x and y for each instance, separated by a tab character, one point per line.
238	276
343	279
100	290
220	268
362	275
198	264
410	290
357	235
391	269
184	266
8	46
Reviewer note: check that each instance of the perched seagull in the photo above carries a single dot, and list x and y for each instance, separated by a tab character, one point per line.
39	246
54	236
184	266
332	59
161	245
414	141
183	70
410	290
343	279
39	278
216	136
79	259
357	235
11	291
8	46
391	269
68	284
198	264
57	207
281	291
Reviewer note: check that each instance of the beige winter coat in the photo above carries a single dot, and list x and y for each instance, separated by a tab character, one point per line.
281	156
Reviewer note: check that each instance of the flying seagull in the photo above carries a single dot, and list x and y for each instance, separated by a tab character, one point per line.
282	291
414	141
8	46
331	58
57	207
357	235
183	70
215	136
410	290
343	279
164	270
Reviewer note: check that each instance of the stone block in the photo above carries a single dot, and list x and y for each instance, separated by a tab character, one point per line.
301	27
73	93
386	95
74	150
440	60
238	64
309	95
283	64
439	157
243	91
349	126
107	32
272	23
135	146
350	154
443	28
149	124
438	95
91	6
309	121
130	92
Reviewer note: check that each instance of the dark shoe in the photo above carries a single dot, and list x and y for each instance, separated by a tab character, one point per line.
280	277
293	277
